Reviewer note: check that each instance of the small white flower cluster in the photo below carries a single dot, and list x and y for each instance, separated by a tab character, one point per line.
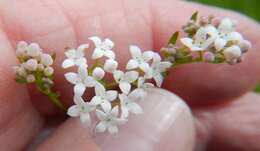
113	100
34	65
217	39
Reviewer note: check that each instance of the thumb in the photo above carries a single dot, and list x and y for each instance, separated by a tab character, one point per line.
166	124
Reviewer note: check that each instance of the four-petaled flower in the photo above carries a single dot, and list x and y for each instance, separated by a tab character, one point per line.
128	103
204	37
82	79
75	57
139	59
103	97
109	120
125	79
157	68
81	109
103	48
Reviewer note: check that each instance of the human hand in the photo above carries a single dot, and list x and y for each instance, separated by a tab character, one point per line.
166	123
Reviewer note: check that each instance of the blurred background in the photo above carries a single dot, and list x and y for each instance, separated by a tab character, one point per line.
247	7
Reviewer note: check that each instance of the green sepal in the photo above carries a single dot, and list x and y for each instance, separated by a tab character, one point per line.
194	16
174	38
21	80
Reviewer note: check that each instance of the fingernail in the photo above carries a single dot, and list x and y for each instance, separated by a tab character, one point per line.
166	124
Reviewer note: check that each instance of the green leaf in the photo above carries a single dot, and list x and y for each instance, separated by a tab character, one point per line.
194	16
21	80
257	88
174	38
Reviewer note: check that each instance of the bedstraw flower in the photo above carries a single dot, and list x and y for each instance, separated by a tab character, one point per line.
75	57
103	48
81	109
109	120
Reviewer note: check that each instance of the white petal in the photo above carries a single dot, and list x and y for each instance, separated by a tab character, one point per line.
125	112
118	75
98	53
71	53
111	95
226	25
125	87
71	77
67	63
131	76
96	100
79	89
81	49
109	44
148	55
136	94
98	73
235	36
187	42
112	129
220	44
156	58
97	41
135	51
158	80
232	53
163	66
85	118
106	106
82	72
78	100
101	127
101	115
110	65
110	54
90	82
73	111
114	112
46	59
144	67
132	64
100	90
81	62
134	108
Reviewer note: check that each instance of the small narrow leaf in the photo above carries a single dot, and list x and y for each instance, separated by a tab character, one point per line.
194	16
174	38
21	80
257	89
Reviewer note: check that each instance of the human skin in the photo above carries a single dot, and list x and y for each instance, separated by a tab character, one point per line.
224	110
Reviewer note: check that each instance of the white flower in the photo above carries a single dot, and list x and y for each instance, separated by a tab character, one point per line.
34	50
226	33
110	65
157	67
125	79
21	48
109	120
139	59
81	109
83	80
232	53
30	64
203	38
142	87
103	48
30	78
75	57
128	103
48	71
103	97
46	59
